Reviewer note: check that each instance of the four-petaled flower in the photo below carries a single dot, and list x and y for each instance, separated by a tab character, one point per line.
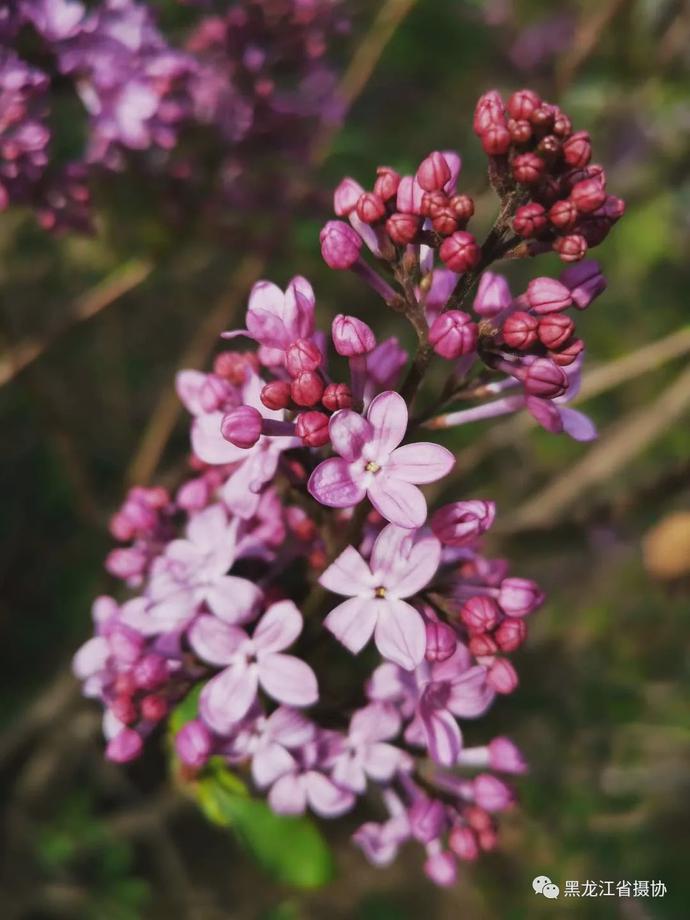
401	564
372	464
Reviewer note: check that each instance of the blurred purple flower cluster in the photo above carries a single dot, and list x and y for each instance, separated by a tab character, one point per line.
304	510
256	72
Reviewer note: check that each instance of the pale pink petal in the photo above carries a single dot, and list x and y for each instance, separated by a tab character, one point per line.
353	622
265	315
349	433
419	568
325	798
375	722
388	417
237	494
287	679
392	545
454	162
278	627
578	425
421	462
233	599
227	697
288	795
91	657
209	527
209	444
348	772
470	694
270	762
332	484
289	727
189	385
442	734
382	761
299	308
349	575
215	641
400	633
399	502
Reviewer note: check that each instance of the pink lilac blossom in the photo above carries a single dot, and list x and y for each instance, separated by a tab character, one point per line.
304	483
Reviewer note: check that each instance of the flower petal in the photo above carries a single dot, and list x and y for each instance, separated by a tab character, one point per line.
325	798
420	462
288	795
353	622
209	444
188	385
391	547
91	657
278	627
382	761
375	722
578	425
349	433
270	762
420	567
215	641
400	634
287	679
470	694
332	484
348	772
348	574
227	697
233	599
388	417
399	502
442	734
289	727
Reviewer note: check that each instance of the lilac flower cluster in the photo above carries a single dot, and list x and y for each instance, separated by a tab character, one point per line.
304	510
255	74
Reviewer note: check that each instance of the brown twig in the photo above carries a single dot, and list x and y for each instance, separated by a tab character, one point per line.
591	27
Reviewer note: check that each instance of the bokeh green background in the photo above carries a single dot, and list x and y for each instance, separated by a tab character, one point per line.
602	713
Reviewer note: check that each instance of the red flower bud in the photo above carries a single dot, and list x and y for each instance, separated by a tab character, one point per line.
387	182
242	426
542	117
445	222
460	251
312	427
482	646
434	203
588	195
568	354
276	395
549	147
234	365
523	103
346	196
370	208
510	634
462	206
571	248
555	330
441	641
520	131
351	336
460	523
520	330
577	150
545	379
403	228
307	389
546	295
463	842
563	214
502	676
528	168
519	597
453	334
488	111
302	355
548	190
340	244
496	140
433	172
123	708
337	396
480	614
154	708
562	125
530	220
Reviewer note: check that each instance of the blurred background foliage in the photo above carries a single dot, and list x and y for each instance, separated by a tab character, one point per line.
85	404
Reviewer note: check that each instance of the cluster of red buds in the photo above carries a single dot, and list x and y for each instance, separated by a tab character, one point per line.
532	143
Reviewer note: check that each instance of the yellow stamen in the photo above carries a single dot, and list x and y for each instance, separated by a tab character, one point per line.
372	467
380	592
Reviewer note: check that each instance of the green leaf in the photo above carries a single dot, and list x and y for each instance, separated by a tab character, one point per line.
186	710
292	850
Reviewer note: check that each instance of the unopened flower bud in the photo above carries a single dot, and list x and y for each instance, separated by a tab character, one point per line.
510	635
461	523
585	282
387	182
496	140
150	672
462	206
370	208
563	214
453	334
441	869
530	220
460	251
441	641
340	245
346	196
568	354
235	365
519	597
613	208
588	195
301	356
520	130
434	203
480	614
482	646
312	427
478	818
542	117
307	389
545	379
154	708
125	746
403	228
337	396
555	329
502	676
242	426
491	793
549	147
445	223
193	744
562	125
493	295
128	562
427	819
488	111
276	395
520	330
193	495
577	150
522	103
463	842
433	172
546	295
505	756
571	248
351	336
528	168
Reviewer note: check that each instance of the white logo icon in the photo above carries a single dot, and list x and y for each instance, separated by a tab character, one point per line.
542	884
